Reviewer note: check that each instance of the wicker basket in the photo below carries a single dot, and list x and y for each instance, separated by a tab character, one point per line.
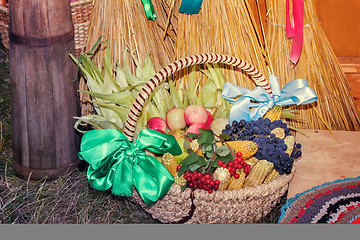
198	206
80	12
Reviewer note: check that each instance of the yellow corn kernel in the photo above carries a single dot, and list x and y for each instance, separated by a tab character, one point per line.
247	148
237	183
274	113
290	142
271	176
252	161
258	173
279	132
169	162
223	175
179	180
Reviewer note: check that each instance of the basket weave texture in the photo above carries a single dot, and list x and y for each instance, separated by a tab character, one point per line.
80	13
248	204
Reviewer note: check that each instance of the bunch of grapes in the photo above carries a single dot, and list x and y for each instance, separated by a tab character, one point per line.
271	147
198	180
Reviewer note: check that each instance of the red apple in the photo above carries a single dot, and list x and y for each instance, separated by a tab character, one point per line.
195	114
194	128
175	118
210	118
157	123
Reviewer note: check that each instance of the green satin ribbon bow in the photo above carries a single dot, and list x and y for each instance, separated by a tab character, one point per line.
117	163
149	9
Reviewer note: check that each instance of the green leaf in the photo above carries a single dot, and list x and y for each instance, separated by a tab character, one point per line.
192	161
207	137
223	150
224	159
224	136
193	135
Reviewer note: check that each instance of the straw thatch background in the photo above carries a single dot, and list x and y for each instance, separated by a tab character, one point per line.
318	65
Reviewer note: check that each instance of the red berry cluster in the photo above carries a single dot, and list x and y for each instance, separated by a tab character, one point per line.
237	163
198	180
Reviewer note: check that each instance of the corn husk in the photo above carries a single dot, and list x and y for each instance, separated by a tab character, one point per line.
124	25
335	108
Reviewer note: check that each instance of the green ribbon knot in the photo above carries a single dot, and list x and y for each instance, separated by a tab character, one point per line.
116	163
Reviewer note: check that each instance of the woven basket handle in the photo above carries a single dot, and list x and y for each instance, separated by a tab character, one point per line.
159	77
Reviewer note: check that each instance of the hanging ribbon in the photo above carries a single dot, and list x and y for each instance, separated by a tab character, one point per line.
149	9
260	101
190	6
296	31
117	163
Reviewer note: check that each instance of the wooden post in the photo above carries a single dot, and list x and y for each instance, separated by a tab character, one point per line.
43	88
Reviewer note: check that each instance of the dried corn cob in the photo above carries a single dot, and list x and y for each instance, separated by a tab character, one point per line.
290	142
271	176
179	180
274	113
279	132
237	183
195	147
223	175
247	148
258	173
169	162
252	161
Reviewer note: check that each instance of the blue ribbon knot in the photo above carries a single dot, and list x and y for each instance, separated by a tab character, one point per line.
253	104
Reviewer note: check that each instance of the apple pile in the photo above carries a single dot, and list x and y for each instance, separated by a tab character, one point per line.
190	120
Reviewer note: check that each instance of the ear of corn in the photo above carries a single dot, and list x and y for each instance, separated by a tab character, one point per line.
179	180
289	141
247	148
169	162
223	175
252	161
279	132
274	113
237	183
258	173
271	176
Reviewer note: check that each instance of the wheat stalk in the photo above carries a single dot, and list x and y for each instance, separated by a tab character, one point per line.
318	65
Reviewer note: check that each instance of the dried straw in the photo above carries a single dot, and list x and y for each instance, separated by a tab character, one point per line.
124	24
318	65
226	27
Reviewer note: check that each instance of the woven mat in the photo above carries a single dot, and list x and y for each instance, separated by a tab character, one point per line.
331	202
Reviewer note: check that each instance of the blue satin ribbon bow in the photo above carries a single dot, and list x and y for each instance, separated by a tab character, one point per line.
295	92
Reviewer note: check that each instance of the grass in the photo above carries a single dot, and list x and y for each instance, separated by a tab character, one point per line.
67	199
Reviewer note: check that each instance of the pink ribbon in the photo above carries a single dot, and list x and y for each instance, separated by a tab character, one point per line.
296	31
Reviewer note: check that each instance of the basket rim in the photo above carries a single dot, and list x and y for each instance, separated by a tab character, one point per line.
161	75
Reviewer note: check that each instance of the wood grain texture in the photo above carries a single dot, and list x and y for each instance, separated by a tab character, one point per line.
326	157
43	91
340	20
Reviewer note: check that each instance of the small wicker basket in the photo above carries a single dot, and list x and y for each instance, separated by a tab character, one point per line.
249	204
80	12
